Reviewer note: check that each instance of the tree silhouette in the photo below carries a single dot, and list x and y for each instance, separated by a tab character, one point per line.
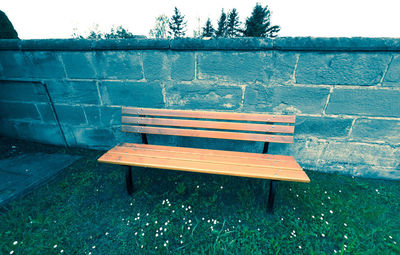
197	31
233	23
95	33
259	25
177	24
7	30
208	30
115	33
119	33
221	31
160	29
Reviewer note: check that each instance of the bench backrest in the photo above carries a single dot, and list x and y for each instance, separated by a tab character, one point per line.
221	125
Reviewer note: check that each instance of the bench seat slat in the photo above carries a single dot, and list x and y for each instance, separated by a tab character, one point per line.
208	124
205	167
210	115
256	162
208	134
222	153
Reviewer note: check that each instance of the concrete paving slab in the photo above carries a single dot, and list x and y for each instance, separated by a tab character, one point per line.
20	174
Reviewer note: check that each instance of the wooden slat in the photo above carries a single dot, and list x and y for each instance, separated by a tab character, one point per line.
205	167
209	134
210	115
208	124
255	162
237	154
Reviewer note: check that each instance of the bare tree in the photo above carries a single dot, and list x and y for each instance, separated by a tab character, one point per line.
160	29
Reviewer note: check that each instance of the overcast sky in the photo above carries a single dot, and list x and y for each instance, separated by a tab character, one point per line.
323	18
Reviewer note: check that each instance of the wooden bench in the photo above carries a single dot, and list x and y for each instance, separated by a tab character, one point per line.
222	125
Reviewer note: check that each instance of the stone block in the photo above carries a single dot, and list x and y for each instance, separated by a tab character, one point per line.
356	158
168	65
387	131
322	127
45	64
90	137
203	143
7	128
285	99
73	92
341	68
22	91
127	137
156	65
182	66
279	67
102	115
366	102
70	115
118	65
14	110
203	96
14	64
79	65
168	140
46	112
231	66
139	94
361	170
220	144
392	77
40	132
306	151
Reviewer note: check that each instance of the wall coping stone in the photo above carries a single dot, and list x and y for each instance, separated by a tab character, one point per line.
346	44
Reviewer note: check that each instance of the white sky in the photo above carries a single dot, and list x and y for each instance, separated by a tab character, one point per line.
318	18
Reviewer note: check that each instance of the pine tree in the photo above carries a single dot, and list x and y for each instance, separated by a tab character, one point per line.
177	24
221	32
233	24
259	25
208	30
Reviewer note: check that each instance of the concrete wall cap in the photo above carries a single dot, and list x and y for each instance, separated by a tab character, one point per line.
224	44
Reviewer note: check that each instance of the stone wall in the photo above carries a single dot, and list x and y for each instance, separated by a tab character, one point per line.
345	92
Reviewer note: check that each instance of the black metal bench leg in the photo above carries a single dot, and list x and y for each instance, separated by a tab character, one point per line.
129	182
271	197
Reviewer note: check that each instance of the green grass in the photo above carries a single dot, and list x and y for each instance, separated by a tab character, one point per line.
86	210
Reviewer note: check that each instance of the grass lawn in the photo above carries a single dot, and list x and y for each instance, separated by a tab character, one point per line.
86	210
